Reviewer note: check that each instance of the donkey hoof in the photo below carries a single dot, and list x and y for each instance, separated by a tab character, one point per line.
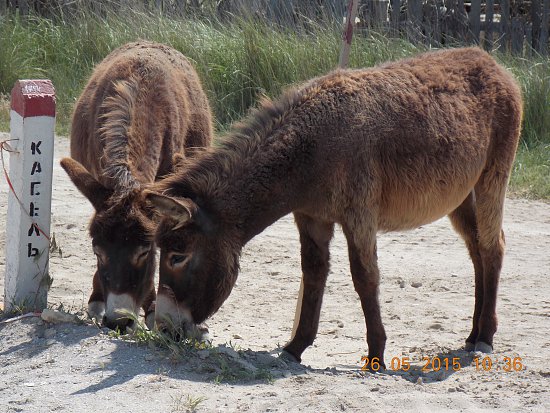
484	347
470	346
286	356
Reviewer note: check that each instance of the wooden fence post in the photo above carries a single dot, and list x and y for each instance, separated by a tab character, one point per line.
489	15
544	27
475	20
505	26
348	32
32	126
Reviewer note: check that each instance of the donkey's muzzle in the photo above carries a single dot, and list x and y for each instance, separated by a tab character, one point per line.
121	323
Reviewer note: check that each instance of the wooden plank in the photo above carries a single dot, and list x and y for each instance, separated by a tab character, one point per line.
462	21
536	23
23	7
529	39
475	20
430	24
394	16
447	26
517	36
414	20
505	28
543	38
489	14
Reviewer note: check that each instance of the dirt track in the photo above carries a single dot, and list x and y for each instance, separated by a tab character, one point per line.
426	298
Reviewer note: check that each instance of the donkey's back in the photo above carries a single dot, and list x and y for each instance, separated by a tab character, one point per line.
409	140
143	104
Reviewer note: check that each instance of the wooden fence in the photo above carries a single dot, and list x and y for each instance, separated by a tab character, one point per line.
516	26
519	27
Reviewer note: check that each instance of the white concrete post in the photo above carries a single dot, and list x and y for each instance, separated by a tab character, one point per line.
32	127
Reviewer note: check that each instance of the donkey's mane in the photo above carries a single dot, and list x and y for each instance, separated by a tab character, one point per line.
117	117
200	174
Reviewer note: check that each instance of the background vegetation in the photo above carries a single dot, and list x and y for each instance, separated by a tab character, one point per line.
238	61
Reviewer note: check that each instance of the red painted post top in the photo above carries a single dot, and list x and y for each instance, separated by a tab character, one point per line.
33	98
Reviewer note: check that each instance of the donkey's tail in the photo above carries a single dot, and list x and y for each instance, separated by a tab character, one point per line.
116	120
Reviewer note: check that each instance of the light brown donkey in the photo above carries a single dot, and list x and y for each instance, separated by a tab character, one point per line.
383	149
142	105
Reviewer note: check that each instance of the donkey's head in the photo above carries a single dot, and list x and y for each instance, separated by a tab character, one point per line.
198	263
122	242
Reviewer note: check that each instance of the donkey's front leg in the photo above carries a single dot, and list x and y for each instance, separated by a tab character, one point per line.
366	279
149	299
149	308
96	303
315	237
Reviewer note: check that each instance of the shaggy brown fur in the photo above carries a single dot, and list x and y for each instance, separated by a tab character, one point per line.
142	105
382	149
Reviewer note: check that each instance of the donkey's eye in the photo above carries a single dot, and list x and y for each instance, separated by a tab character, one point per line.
176	259
100	254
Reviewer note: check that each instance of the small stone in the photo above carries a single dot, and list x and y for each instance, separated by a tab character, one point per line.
416	284
419	380
340	324
55	316
287	374
436	326
228	351
451	389
237	337
49	333
375	389
246	365
50	342
402	283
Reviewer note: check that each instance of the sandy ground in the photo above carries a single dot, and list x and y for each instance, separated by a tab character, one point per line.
426	297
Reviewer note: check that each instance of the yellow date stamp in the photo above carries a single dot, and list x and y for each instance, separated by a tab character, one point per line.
487	363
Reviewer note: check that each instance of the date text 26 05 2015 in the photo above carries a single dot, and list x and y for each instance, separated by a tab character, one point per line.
487	363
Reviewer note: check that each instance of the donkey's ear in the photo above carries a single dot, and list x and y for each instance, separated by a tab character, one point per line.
179	209
92	189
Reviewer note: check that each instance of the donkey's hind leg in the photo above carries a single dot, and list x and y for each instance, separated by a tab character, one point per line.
315	237
490	192
464	222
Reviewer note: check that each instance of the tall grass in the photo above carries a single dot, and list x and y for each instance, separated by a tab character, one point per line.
237	61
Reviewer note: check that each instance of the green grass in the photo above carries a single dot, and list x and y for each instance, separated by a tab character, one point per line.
238	62
531	175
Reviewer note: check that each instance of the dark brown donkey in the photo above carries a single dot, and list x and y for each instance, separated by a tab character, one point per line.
383	149
143	104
